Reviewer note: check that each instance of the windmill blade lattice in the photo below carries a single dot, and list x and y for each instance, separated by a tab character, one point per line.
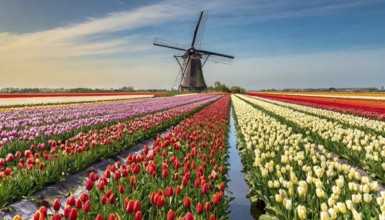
190	77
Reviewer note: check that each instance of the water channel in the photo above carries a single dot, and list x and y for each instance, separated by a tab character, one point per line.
240	207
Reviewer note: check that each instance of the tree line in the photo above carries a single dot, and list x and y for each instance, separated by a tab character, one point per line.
219	87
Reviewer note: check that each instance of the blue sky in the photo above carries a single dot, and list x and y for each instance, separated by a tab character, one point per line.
277	44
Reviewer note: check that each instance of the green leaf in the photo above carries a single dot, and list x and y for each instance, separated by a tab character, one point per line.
266	217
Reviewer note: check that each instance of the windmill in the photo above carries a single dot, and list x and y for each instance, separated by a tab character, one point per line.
190	77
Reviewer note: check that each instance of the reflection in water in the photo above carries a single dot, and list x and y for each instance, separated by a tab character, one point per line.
240	207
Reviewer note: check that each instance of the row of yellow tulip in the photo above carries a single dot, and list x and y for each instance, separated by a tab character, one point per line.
298	179
360	147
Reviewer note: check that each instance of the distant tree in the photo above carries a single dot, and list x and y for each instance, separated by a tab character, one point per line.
217	84
237	89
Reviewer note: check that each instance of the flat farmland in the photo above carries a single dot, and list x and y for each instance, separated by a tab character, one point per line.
299	160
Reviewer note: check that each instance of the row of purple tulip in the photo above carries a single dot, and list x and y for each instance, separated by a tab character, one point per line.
29	124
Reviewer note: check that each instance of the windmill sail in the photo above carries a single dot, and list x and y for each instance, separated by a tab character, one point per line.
191	74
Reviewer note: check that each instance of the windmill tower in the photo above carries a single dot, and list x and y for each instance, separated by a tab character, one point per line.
190	77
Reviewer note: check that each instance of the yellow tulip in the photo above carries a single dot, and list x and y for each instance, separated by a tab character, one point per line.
367	198
342	207
349	204
356	215
301	210
324	207
288	204
324	215
332	213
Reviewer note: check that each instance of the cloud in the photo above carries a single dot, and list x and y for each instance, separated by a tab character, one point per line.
73	39
75	54
109	51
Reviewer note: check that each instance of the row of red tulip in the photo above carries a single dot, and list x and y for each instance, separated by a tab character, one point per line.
33	169
181	176
366	108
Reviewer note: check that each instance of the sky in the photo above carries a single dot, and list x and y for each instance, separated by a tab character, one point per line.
109	43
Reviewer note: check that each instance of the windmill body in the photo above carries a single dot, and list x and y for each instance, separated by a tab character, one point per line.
191	74
192	79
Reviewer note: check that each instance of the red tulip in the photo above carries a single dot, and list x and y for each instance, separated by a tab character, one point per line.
99	217
137	205
41	166
2	161
177	190
207	206
132	180
121	189
199	208
130	206
8	171
87	207
187	202
138	215
84	197
221	187
170	215
164	173
169	192
216	199
27	153
93	176
38	216
111	199
79	204
112	168
205	189
189	216
67	211
108	193
104	200
43	210
160	202
89	184
56	205
117	175
10	157
212	217
184	181
71	201
197	183
153	197
107	173
101	185
56	216
136	168
112	216
73	214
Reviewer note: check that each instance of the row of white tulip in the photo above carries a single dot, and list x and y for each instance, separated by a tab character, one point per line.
298	179
360	147
362	122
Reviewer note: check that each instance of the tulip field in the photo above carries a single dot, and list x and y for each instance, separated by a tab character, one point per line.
293	157
301	159
371	106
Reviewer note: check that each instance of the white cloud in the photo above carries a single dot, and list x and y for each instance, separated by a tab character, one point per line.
70	56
